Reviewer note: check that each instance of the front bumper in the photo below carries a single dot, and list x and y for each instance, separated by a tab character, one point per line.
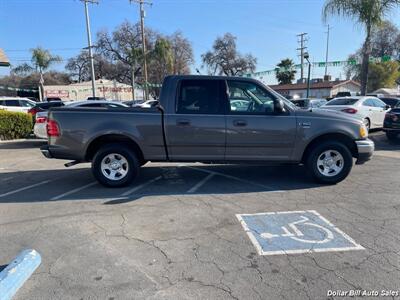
45	151
365	150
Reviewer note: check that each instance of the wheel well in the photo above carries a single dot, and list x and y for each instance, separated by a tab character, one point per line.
110	139
337	137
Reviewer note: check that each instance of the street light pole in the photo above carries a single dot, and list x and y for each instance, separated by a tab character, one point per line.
90	45
306	56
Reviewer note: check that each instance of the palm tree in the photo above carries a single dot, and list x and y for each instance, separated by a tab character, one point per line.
368	13
42	59
285	71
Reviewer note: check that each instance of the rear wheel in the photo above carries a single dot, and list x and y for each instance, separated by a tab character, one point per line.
330	162
114	165
391	135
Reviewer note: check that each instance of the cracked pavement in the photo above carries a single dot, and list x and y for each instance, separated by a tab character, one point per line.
163	242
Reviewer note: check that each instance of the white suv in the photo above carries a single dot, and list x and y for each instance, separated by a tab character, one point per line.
16	104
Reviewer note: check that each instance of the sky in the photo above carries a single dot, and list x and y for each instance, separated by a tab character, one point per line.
265	28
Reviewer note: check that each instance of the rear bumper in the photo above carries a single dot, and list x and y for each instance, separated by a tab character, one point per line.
365	150
387	129
45	151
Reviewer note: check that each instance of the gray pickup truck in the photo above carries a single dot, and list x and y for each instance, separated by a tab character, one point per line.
208	119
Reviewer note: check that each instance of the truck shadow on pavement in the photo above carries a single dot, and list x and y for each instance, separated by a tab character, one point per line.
154	180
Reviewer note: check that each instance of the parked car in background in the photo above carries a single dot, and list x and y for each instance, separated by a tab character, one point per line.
370	109
391	125
132	103
391	101
147	104
39	129
307	103
95	103
95	98
16	104
43	106
50	99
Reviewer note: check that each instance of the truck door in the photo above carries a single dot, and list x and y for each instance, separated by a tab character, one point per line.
254	130
196	130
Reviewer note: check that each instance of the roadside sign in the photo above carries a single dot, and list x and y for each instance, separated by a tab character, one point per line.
293	232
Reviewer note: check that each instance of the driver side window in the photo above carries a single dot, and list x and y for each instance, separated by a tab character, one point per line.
248	98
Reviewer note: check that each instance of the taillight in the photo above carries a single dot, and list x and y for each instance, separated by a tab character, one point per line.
52	128
41	120
350	110
33	111
392	116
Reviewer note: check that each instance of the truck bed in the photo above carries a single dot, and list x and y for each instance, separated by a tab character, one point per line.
80	127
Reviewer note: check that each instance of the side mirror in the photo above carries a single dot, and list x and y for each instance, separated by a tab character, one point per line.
278	106
387	107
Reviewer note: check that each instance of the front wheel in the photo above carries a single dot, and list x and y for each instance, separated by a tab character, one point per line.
330	162
114	165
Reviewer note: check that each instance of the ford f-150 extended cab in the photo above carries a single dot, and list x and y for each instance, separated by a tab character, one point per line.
208	119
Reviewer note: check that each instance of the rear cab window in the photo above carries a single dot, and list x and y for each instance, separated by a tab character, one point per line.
200	97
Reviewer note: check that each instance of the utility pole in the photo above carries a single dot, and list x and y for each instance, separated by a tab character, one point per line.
90	44
327	50
142	16
302	40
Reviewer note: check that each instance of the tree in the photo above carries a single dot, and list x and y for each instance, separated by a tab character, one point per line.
42	59
78	66
285	71
383	74
124	45
368	13
385	40
161	62
182	53
225	59
22	70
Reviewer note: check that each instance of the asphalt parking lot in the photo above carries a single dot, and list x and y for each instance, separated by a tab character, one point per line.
175	233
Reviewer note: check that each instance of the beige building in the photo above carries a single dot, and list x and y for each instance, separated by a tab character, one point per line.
318	88
108	89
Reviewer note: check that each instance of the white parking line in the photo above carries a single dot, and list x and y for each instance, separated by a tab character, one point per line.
7	178
141	186
200	184
24	188
73	191
234	178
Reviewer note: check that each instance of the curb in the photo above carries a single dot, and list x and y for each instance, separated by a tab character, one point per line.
17	272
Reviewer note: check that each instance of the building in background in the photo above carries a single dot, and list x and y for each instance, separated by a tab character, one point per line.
4	61
108	89
318	88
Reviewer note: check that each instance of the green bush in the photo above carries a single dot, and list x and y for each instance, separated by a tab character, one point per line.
14	125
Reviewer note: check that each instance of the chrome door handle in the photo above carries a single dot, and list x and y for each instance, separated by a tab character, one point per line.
240	123
183	122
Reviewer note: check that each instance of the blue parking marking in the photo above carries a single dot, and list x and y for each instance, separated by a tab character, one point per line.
294	232
17	272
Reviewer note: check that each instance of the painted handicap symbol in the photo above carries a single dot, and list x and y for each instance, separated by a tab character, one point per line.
291	232
298	233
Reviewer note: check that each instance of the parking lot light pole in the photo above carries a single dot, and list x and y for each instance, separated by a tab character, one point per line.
90	45
306	56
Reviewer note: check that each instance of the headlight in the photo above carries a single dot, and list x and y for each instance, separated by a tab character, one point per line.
363	131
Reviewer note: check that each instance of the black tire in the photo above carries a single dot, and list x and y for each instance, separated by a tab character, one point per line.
318	150
123	151
391	135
